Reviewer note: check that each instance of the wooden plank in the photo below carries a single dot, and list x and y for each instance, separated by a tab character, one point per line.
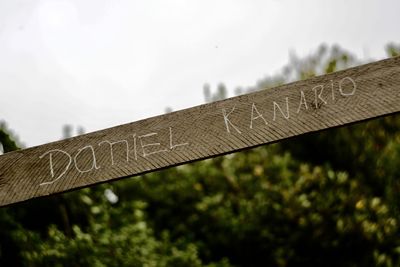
201	132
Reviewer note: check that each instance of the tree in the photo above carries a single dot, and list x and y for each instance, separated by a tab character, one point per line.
330	198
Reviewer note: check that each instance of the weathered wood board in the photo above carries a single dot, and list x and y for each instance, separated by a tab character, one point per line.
201	132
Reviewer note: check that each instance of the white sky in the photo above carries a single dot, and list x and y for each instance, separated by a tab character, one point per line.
106	62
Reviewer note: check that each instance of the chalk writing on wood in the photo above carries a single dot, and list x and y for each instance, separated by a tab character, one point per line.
66	160
283	110
202	132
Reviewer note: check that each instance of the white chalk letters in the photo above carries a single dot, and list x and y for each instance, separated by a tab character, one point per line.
84	160
317	96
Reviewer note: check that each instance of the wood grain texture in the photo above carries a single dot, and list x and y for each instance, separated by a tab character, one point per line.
201	132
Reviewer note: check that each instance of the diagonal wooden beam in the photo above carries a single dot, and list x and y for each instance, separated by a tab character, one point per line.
201	132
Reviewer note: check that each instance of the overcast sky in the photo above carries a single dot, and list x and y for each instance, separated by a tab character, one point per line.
106	62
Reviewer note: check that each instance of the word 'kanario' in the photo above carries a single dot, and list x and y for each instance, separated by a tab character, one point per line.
277	109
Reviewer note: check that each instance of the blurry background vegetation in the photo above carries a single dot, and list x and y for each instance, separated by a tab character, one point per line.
323	199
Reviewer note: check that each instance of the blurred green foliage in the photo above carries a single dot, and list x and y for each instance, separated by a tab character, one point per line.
323	199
